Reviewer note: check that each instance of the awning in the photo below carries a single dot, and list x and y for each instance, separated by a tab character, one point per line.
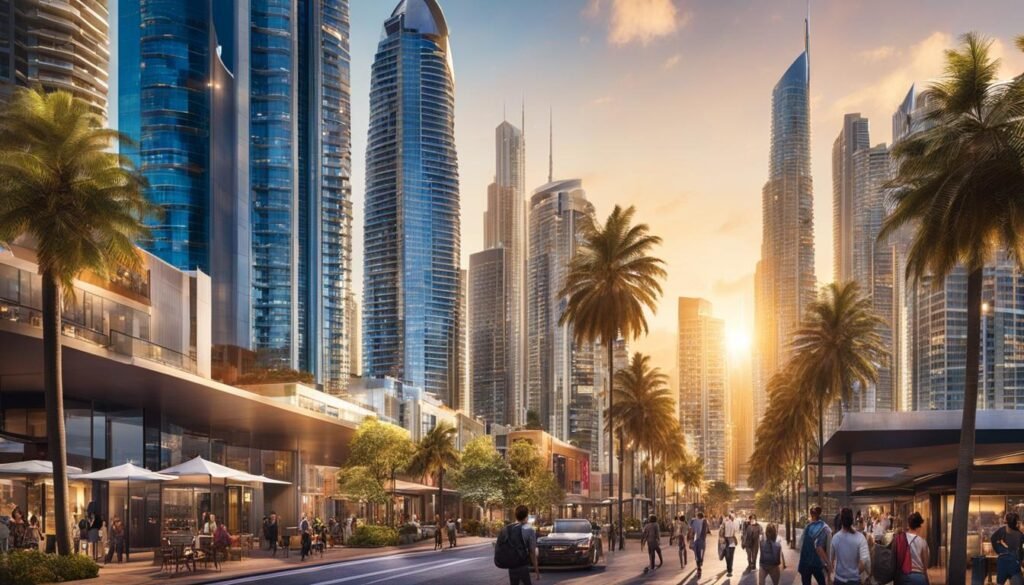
403	487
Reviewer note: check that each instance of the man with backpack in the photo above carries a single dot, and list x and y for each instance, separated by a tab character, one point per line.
699	529
814	560
516	550
752	541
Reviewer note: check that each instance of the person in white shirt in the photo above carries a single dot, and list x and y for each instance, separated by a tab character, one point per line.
680	532
849	554
729	531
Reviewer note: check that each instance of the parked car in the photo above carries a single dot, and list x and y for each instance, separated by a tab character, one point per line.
571	543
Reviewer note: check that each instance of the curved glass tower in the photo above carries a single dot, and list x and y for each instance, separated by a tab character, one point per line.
411	238
785	281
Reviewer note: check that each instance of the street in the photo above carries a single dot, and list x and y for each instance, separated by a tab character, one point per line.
473	565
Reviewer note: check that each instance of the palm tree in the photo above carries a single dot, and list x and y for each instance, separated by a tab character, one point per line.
836	349
81	206
435	455
643	410
612	279
960	185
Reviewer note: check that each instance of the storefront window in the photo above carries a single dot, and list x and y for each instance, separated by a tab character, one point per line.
126	440
78	428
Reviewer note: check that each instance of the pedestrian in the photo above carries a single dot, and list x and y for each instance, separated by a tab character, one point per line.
1007	542
211	524
33	536
681	534
95	525
116	540
752	541
17	528
920	555
221	538
453	529
652	535
611	535
439	528
814	560
773	562
849	552
273	533
729	531
305	535
699	529
643	534
517	546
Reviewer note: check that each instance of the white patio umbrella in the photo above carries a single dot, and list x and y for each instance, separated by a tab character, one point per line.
250	478
197	469
127	473
32	468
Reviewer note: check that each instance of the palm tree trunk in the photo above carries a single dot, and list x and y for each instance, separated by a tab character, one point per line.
821	453
621	533
611	421
957	571
53	388
440	492
807	478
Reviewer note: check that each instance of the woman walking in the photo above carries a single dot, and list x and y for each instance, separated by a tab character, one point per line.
116	540
1008	542
681	534
438	527
773	562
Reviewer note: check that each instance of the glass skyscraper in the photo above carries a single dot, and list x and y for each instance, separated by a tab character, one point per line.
784	281
704	397
411	273
241	113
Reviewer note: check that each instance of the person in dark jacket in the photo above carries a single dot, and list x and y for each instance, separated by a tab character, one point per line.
1008	543
273	533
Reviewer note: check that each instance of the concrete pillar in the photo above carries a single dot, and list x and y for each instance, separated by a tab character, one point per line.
848	495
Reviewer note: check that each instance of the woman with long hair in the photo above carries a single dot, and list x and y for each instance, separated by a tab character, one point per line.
1008	542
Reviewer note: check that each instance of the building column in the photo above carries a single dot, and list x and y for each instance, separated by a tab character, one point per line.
848	496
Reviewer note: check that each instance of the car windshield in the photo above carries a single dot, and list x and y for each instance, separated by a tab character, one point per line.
563	526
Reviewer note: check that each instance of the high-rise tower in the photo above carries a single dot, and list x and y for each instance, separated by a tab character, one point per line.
853	137
58	45
411	278
785	283
704	399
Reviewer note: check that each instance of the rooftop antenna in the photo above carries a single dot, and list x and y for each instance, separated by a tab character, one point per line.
551	145
807	39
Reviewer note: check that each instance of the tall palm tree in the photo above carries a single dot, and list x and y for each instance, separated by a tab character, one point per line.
435	455
81	206
644	410
612	279
837	348
960	185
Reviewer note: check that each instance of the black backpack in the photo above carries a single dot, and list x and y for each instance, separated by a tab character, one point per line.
883	564
510	552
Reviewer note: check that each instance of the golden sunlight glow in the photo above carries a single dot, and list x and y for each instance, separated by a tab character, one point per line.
737	340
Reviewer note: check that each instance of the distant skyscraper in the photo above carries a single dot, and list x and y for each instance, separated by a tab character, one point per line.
704	399
853	137
873	265
561	387
58	45
241	115
935	350
620	357
411	254
353	338
502	364
786	283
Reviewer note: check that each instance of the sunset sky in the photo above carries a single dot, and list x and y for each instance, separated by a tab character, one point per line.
664	104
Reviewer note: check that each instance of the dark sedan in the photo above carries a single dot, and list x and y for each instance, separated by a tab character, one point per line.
571	543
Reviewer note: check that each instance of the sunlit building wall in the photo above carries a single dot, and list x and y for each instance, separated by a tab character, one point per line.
852	138
704	400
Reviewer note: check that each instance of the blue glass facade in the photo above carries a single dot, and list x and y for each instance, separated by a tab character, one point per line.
411	264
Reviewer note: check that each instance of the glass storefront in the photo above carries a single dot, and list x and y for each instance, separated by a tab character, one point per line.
985	516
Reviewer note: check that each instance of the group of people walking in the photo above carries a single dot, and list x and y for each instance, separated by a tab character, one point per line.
449	528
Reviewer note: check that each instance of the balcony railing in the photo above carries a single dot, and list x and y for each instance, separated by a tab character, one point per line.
116	341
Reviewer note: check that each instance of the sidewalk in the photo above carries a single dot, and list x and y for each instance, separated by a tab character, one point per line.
141	569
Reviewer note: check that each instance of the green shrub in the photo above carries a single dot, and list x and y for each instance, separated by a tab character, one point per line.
31	567
472	527
407	529
373	536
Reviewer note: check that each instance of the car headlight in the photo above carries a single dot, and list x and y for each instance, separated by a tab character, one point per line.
583	544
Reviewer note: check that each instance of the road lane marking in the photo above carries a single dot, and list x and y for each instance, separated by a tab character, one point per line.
452	563
340	564
430	567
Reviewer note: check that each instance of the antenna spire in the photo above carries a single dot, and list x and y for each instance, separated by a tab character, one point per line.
807	38
551	145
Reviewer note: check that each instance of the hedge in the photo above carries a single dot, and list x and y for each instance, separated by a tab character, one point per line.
373	536
31	567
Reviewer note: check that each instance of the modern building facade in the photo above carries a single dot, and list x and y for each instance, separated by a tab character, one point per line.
853	137
241	115
497	301
411	275
785	282
561	388
704	400
58	45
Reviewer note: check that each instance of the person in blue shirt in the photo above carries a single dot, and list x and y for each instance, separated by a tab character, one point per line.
814	559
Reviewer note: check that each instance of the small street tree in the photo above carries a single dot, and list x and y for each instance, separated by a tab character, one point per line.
535	485
718	496
379	451
483	477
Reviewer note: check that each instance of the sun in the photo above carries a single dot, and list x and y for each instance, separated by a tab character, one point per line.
737	340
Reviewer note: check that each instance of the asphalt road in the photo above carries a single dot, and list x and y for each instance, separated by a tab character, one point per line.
469	565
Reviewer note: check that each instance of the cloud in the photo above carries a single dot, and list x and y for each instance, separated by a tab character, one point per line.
735	222
878	54
672	61
600	101
640	20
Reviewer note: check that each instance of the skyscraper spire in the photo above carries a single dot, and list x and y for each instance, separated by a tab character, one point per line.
807	39
551	145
